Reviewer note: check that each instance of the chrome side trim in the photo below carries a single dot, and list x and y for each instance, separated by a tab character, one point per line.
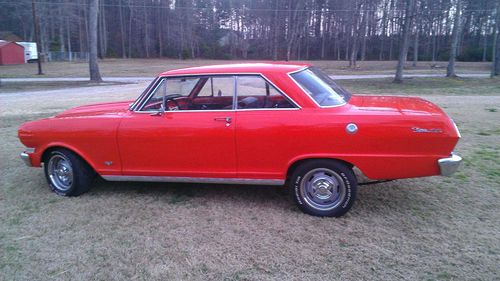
26	159
195	180
449	165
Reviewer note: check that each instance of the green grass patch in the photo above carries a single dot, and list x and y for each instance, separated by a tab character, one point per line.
485	159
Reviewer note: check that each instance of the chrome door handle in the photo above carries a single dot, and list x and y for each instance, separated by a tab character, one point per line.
227	119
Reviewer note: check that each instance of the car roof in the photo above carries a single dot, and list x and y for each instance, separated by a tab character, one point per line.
239	68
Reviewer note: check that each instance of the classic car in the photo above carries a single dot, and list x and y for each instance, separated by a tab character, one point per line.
270	124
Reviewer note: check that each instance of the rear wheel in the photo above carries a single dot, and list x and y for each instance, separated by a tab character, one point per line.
324	188
66	173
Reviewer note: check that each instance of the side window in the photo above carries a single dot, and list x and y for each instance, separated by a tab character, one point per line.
221	86
174	91
255	92
214	93
192	93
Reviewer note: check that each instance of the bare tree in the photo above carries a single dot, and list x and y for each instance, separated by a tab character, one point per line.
93	66
263	29
450	70
495	65
403	51
37	38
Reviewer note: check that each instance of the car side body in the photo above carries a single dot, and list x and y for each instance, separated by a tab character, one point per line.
385	137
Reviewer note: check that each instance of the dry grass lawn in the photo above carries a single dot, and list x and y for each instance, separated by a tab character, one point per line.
152	67
417	229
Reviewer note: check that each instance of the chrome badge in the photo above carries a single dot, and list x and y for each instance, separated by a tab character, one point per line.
422	130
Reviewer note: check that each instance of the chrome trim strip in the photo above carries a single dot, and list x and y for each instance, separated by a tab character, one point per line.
26	159
449	165
222	110
305	92
151	91
235	92
143	95
194	180
456	128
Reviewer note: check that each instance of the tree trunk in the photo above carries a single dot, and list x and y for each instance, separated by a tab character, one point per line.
93	66
36	27
417	33
450	70
160	29
415	48
130	20
122	31
495	58
146	33
276	29
68	37
403	50
61	30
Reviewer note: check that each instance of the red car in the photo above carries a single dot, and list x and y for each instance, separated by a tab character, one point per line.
258	123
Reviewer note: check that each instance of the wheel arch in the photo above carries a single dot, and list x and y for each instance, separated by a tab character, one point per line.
297	162
76	151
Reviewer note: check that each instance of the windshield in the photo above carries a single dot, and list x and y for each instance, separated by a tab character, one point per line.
320	87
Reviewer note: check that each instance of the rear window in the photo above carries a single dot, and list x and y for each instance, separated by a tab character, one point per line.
320	87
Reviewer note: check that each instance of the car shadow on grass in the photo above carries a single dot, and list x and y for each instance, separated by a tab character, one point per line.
383	199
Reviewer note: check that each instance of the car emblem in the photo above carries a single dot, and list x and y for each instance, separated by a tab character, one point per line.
351	128
422	130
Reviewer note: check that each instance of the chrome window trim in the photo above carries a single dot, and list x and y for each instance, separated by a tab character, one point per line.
194	180
143	95
141	104
148	96
305	92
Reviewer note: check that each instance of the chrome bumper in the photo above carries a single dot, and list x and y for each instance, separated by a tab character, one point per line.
26	158
449	165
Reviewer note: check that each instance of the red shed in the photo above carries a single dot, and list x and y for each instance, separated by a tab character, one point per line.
11	53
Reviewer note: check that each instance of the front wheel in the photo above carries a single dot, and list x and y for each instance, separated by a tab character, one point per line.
324	188
67	174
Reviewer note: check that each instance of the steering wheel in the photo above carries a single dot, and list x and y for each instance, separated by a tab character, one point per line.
171	98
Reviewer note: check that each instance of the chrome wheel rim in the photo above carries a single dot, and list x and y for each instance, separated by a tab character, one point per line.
60	172
323	189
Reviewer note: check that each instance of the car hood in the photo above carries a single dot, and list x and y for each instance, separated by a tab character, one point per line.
395	104
99	109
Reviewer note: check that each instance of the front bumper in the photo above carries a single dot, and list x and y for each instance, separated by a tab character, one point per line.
25	156
449	165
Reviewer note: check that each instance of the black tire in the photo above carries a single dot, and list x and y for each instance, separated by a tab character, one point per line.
324	188
81	177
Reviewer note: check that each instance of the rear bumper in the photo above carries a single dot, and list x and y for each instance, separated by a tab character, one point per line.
449	165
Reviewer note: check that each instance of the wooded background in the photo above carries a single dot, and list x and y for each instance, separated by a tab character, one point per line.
263	29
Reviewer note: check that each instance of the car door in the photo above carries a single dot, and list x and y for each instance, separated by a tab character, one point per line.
268	129
193	137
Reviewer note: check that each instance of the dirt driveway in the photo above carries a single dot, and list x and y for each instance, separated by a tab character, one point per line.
418	229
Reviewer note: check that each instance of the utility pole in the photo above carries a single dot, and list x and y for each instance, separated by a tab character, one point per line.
37	38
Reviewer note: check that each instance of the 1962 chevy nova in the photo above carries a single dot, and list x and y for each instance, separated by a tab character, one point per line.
258	123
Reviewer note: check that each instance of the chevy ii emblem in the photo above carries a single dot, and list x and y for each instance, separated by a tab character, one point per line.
422	130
